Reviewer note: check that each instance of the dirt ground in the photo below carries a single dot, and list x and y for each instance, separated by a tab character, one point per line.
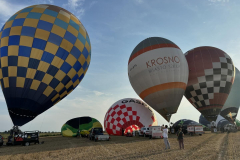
210	146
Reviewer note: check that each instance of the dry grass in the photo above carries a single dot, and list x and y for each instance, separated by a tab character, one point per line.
209	146
232	146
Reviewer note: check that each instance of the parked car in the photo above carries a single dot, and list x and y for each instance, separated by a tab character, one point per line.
24	138
1	140
155	132
144	131
97	134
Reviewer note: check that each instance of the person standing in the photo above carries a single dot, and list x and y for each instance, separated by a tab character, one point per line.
78	133
180	138
165	137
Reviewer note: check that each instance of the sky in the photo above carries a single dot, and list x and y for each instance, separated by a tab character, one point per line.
115	28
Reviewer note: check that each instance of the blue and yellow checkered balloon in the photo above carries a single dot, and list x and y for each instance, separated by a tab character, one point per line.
45	53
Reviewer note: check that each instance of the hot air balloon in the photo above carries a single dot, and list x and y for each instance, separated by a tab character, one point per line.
237	122
83	124
204	122
131	128
221	123
127	112
183	123
211	75
231	106
158	72
45	53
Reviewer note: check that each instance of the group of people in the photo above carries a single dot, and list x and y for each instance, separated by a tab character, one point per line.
179	134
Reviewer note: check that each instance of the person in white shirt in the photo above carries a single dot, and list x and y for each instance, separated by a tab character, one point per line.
165	137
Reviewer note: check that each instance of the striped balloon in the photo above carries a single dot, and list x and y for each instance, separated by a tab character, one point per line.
158	72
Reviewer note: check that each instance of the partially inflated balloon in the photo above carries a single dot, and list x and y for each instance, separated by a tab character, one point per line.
231	106
203	121
158	72
185	122
127	112
237	122
221	122
45	53
211	75
82	124
131	128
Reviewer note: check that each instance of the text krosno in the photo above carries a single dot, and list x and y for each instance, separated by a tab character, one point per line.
164	60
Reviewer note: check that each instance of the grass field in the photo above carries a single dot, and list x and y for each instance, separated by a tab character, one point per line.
209	146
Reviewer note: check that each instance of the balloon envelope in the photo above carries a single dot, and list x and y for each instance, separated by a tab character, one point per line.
185	122
131	128
203	121
231	106
221	122
45	53
127	112
211	75
83	124
158	72
237	122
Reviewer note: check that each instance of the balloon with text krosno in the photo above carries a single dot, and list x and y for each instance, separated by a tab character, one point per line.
45	53
211	75
158	72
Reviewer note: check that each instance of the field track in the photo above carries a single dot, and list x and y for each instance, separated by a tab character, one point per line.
210	146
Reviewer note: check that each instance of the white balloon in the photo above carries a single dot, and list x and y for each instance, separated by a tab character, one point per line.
158	72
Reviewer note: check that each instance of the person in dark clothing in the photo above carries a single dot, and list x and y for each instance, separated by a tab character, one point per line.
222	129
78	134
122	132
180	138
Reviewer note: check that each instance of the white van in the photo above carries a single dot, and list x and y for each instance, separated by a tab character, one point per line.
155	132
195	129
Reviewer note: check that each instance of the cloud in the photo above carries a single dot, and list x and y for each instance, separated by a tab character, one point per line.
218	1
76	7
97	93
43	1
139	1
73	4
90	92
50	1
8	9
92	3
80	104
